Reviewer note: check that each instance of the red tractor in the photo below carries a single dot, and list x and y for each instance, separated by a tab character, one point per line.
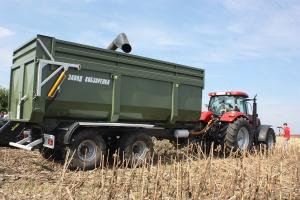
230	123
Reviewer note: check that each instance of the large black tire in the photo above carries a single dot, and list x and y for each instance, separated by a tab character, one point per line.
87	149
135	149
239	136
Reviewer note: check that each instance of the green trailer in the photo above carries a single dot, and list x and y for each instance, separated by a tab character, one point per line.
83	98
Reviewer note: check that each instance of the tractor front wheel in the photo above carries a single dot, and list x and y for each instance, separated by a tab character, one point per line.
239	136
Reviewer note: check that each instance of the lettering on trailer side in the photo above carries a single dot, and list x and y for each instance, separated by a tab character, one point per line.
72	77
88	79
95	80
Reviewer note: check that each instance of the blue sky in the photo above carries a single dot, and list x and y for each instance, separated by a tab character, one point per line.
249	45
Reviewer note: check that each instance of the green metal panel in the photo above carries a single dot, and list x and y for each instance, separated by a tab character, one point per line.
189	102
14	92
29	69
145	99
110	86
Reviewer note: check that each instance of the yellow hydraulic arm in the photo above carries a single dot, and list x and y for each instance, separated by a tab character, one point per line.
56	84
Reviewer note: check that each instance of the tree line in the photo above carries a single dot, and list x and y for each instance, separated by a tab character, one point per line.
3	98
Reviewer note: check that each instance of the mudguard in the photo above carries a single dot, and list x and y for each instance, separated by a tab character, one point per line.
262	132
206	116
69	133
72	128
232	116
10	132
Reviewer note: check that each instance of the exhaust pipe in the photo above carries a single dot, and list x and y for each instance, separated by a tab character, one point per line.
121	42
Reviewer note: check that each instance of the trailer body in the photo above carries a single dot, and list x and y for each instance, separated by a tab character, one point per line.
107	86
88	99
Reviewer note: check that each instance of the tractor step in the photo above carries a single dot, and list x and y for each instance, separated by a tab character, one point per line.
26	143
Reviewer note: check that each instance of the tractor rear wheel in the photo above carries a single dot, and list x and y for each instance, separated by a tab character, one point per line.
239	136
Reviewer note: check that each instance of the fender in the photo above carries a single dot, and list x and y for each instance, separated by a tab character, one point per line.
206	116
231	116
262	132
11	131
73	127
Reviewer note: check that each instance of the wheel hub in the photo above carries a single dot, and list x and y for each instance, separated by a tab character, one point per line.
139	150
243	138
270	142
87	150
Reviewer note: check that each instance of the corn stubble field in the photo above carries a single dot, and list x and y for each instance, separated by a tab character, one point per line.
174	174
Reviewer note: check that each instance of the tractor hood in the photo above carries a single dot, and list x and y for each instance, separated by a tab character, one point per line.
231	116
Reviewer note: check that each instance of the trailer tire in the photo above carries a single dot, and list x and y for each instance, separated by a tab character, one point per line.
87	149
239	136
136	149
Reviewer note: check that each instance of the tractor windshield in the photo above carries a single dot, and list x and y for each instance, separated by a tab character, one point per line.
222	104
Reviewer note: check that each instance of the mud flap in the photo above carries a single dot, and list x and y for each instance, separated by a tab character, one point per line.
262	132
11	132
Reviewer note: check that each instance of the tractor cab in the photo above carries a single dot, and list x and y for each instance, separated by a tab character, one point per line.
223	102
227	106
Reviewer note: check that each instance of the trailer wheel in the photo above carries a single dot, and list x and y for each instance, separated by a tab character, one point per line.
86	150
136	149
239	136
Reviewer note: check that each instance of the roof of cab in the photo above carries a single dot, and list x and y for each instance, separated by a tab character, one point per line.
229	93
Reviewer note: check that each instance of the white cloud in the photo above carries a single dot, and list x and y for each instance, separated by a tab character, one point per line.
256	29
4	32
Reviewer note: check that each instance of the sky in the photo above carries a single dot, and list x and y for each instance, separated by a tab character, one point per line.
248	45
